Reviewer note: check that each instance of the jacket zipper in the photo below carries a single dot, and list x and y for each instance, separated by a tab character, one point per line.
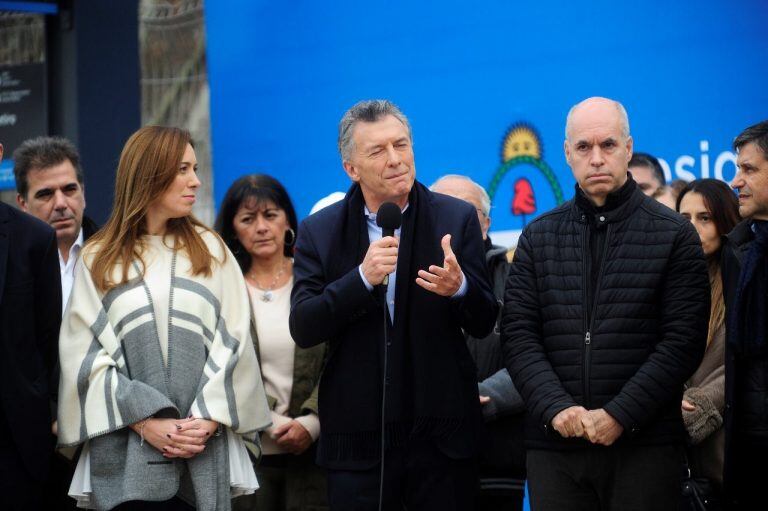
585	297
588	334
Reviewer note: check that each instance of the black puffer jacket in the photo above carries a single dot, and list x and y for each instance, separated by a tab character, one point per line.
648	322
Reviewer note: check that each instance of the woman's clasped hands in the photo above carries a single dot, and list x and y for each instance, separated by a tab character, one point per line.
176	438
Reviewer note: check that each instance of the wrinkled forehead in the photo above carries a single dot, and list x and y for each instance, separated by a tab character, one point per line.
59	174
751	154
382	130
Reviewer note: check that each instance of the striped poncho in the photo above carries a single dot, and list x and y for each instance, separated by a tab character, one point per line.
116	370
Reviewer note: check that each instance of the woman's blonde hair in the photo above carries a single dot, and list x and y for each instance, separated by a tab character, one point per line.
148	165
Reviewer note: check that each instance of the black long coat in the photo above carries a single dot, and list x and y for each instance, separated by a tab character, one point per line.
30	316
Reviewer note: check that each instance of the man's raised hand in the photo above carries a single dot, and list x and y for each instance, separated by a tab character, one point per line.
445	280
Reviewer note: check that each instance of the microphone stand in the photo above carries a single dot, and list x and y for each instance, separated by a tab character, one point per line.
388	217
384	310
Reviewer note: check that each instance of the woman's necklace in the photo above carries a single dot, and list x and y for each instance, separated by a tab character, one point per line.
267	292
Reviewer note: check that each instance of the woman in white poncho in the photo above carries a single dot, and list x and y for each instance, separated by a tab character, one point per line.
159	378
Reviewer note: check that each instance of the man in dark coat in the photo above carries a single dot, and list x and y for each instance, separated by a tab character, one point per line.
604	321
30	316
421	286
502	458
745	290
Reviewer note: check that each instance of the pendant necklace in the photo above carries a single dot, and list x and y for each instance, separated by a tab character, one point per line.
267	294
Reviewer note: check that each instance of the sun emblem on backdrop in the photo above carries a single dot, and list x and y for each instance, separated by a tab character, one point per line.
522	145
521	140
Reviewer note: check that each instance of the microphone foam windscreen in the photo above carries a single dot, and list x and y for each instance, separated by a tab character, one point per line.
389	216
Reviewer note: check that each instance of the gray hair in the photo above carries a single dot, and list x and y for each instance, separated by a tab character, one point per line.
370	110
623	117
485	200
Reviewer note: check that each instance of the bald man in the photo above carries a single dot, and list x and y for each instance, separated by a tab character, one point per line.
604	320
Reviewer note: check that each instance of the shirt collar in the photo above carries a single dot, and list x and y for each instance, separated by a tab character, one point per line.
77	245
371	217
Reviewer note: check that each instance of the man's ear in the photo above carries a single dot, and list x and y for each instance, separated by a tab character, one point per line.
487	226
351	171
21	202
567	151
630	146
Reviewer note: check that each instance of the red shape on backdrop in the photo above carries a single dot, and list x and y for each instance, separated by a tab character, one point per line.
523	201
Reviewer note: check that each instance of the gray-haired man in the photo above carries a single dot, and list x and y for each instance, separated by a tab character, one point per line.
429	420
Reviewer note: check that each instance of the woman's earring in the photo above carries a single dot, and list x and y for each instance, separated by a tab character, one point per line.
290	237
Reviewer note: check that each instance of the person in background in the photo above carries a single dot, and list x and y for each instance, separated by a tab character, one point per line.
502	457
647	173
49	186
713	210
258	223
745	288
159	378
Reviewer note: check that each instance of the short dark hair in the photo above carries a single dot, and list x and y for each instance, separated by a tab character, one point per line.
720	201
41	153
258	187
758	134
650	161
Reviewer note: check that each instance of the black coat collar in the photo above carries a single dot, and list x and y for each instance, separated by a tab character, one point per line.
619	205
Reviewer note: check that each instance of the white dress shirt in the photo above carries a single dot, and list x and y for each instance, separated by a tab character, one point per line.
68	270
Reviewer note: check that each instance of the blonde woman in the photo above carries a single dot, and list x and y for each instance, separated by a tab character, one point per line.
159	377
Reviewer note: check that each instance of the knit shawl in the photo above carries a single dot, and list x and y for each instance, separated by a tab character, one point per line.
113	375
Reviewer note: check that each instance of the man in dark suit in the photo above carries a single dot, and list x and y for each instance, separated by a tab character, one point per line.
438	285
30	315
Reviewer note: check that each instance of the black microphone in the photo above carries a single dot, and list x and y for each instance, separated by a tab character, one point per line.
388	217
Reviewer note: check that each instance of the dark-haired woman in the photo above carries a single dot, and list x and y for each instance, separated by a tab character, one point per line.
258	222
713	209
159	379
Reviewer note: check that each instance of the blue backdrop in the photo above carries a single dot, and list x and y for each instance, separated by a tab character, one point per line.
692	75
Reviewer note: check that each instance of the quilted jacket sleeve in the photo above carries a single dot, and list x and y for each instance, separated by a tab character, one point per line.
685	300
521	341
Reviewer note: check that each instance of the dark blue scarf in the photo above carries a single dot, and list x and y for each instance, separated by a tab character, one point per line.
747	319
